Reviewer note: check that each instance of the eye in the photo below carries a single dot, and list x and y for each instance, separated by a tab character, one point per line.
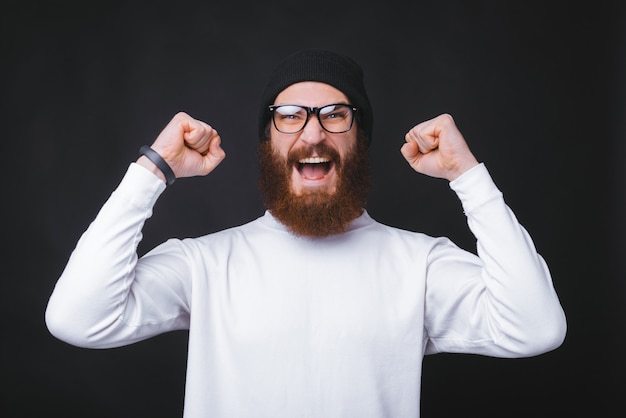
334	112
290	112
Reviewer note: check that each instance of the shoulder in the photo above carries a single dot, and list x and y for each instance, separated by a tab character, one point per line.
387	236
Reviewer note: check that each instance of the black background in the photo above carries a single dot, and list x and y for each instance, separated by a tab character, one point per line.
538	89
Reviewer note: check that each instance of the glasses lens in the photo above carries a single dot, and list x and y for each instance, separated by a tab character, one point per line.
289	118
336	118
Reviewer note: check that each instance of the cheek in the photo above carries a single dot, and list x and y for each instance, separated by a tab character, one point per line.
346	151
281	146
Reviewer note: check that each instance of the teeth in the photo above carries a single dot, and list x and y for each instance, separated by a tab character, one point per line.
313	160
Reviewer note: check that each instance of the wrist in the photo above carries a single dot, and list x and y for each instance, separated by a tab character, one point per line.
151	167
156	164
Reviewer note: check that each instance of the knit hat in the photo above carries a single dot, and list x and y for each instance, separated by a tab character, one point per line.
324	66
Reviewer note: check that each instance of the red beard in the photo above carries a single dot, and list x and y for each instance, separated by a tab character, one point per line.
315	213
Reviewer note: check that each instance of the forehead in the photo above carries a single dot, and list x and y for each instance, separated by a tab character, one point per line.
311	93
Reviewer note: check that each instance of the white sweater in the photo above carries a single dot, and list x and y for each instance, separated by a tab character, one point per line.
281	326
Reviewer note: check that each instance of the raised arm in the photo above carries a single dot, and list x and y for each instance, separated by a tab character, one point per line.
104	297
502	302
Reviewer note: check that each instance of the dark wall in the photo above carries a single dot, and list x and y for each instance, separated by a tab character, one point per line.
537	89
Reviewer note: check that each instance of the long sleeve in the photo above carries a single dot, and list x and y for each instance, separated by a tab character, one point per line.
97	302
501	303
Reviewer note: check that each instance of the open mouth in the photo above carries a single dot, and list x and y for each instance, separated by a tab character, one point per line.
314	168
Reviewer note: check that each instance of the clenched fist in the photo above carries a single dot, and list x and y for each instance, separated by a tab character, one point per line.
189	146
437	148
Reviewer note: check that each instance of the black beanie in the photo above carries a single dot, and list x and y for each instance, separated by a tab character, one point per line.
324	66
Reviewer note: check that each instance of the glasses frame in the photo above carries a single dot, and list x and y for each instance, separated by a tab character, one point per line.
313	111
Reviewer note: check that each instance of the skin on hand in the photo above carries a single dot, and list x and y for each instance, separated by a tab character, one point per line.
437	148
190	147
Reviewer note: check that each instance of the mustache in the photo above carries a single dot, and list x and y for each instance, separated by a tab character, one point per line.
319	150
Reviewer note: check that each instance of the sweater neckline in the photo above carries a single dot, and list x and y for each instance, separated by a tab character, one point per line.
360	222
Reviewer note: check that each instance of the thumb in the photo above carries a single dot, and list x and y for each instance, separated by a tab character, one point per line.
214	156
410	151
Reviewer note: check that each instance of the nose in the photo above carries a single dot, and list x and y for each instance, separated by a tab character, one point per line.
313	133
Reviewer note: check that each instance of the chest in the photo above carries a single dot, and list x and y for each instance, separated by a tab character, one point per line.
321	300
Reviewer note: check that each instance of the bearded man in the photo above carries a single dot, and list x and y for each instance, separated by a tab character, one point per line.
313	309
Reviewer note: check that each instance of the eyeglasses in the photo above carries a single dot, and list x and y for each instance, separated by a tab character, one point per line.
334	118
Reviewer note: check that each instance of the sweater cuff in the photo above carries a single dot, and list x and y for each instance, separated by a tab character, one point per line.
475	187
140	187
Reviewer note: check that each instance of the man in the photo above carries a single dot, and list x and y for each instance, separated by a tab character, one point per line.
314	309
